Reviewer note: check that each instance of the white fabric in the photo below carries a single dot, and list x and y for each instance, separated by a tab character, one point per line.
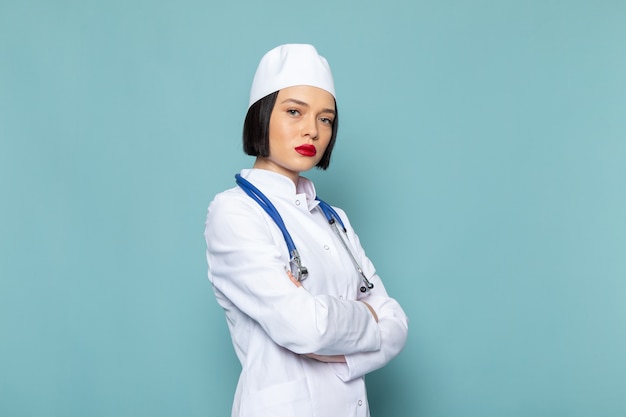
272	321
290	65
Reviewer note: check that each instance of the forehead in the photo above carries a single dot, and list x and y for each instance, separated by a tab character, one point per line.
311	96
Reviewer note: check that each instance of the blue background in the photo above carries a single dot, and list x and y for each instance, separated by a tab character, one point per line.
481	157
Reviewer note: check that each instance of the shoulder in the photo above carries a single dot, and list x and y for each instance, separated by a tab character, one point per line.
234	211
230	202
346	220
343	217
230	196
234	219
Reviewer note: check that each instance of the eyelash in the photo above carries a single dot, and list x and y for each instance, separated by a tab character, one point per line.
295	112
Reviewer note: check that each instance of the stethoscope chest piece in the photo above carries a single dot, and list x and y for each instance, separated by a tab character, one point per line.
299	271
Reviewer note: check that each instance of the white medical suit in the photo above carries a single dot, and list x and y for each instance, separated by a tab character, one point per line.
273	323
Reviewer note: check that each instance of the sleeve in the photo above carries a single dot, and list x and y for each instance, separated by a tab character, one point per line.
392	321
247	260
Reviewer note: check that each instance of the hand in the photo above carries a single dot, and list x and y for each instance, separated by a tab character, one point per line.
327	358
293	279
371	311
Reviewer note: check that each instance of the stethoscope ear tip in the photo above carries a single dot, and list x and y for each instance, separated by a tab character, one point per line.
369	287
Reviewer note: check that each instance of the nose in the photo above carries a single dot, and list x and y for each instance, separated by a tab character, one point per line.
310	127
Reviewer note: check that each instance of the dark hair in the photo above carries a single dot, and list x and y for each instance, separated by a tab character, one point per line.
256	130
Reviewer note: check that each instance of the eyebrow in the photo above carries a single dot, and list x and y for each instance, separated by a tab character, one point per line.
302	103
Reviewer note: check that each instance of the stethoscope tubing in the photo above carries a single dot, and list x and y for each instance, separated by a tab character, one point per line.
334	220
301	271
331	215
269	208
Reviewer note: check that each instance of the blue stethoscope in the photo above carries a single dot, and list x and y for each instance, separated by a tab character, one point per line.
300	271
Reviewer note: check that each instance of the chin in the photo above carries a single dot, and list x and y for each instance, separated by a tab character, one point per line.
308	168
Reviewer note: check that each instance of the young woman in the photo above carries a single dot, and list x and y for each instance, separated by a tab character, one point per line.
308	315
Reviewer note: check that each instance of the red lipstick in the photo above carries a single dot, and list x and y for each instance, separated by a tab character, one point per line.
306	150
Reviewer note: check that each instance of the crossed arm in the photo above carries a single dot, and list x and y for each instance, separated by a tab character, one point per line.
329	358
326	329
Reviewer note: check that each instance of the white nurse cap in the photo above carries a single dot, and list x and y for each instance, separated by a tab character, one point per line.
290	65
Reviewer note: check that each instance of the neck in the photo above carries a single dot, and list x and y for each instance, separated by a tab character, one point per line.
264	163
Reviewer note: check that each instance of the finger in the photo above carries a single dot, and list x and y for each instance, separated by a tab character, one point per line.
369	307
293	279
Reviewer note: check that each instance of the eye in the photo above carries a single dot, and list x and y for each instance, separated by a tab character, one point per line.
327	120
293	112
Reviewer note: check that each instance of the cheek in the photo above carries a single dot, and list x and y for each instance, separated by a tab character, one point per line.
322	149
279	132
279	140
327	137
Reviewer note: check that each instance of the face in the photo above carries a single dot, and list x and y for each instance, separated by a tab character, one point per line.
301	126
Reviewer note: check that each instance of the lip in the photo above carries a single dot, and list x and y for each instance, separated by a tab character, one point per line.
306	150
